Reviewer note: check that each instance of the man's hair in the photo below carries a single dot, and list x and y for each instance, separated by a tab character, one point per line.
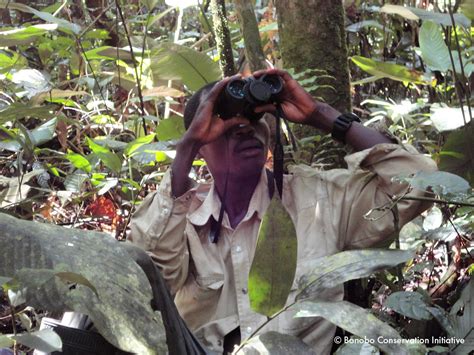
193	103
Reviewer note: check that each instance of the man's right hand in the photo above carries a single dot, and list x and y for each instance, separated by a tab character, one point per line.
206	125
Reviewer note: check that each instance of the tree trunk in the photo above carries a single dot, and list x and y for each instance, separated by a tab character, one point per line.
222	34
250	33
312	36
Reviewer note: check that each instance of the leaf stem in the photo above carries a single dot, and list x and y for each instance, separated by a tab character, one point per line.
437	200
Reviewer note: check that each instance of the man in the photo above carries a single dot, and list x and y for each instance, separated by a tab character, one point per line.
209	280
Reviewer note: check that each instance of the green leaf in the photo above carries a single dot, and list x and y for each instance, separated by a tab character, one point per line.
5	342
10	60
149	153
24	35
19	110
110	159
333	270
124	291
175	62
43	133
170	128
78	161
107	52
43	340
440	182
355	320
461	162
390	70
462	314
356	27
63	25
409	304
73	182
434	50
274	264
137	143
75	278
449	118
415	14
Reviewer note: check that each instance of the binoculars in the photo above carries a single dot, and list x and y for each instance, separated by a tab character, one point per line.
241	96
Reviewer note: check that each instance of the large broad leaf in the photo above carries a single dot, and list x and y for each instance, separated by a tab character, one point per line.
413	13
434	51
457	154
121	311
390	70
440	182
336	269
409	304
45	340
462	315
43	133
449	118
274	264
63	25
175	62
356	320
24	35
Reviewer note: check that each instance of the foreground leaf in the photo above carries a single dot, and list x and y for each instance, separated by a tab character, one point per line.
409	304
274	264
45	340
24	35
462	315
5	342
336	269
390	70
355	320
121	312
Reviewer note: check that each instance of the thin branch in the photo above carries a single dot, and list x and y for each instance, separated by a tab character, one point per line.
437	200
139	85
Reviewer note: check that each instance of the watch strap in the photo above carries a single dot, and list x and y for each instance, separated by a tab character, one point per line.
342	124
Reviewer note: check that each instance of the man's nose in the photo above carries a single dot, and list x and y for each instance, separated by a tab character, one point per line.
244	130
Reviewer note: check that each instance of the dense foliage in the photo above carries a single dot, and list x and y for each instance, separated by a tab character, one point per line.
91	103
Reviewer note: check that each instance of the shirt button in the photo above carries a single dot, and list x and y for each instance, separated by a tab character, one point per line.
165	210
248	330
219	342
238	249
244	291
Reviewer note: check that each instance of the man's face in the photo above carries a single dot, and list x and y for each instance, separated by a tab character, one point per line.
242	150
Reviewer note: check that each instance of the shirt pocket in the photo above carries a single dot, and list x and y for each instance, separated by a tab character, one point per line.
207	286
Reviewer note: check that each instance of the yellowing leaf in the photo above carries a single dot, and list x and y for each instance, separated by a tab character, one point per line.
274	264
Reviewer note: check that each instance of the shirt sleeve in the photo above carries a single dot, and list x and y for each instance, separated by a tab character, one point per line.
158	226
368	184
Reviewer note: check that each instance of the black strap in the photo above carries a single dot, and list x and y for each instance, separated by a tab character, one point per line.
278	153
271	183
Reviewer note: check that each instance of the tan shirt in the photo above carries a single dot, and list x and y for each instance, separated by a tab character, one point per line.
327	208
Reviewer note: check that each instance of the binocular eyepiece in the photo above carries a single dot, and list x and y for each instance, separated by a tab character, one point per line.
241	96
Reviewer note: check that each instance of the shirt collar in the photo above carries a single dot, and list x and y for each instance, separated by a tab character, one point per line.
211	204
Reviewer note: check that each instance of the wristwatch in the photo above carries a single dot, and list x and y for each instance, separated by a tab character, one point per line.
342	125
